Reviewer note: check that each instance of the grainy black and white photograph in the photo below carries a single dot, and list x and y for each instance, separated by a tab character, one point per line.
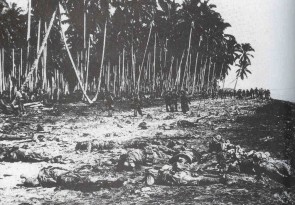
147	102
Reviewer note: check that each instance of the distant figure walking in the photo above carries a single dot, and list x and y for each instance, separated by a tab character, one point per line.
185	101
19	99
174	98
136	105
109	103
168	100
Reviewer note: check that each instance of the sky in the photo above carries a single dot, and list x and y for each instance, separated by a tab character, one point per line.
269	26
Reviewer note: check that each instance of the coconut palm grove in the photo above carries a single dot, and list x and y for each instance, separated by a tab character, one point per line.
120	46
123	102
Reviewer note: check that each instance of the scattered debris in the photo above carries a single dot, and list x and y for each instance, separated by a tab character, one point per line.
185	124
235	158
178	152
143	125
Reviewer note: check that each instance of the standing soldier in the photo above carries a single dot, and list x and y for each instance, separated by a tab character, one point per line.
109	102
204	93
251	93
220	94
184	100
233	94
168	100
256	93
136	105
260	93
247	94
174	98
19	99
239	94
243	94
267	94
45	97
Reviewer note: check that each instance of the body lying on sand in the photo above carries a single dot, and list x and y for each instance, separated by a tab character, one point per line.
93	151
183	166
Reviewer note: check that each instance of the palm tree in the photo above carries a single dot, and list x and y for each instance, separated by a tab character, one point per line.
191	37
228	54
44	42
12	24
12	37
243	60
3	6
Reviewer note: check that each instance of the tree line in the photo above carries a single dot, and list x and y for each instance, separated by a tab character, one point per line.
123	46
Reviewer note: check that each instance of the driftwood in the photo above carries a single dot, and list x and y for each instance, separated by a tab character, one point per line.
31	104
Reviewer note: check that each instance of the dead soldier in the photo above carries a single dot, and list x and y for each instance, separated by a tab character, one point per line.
181	172
109	103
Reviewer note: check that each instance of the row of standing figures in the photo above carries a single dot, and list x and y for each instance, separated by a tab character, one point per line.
23	95
171	98
171	101
239	94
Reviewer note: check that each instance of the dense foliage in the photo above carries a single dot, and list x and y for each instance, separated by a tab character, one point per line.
163	44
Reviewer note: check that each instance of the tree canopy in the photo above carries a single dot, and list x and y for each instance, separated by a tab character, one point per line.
175	44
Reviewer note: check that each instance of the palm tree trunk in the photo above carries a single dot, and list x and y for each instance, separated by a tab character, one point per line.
87	65
204	72
72	61
108	79
189	73
101	65
133	67
115	79
221	69
21	67
213	77
141	67
149	71
119	76
127	79
3	70
179	70
84	32
161	72
195	73
1	82
236	83
169	80
28	34
123	71
38	45
44	76
187	58
13	66
34	66
209	70
82	67
154	78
